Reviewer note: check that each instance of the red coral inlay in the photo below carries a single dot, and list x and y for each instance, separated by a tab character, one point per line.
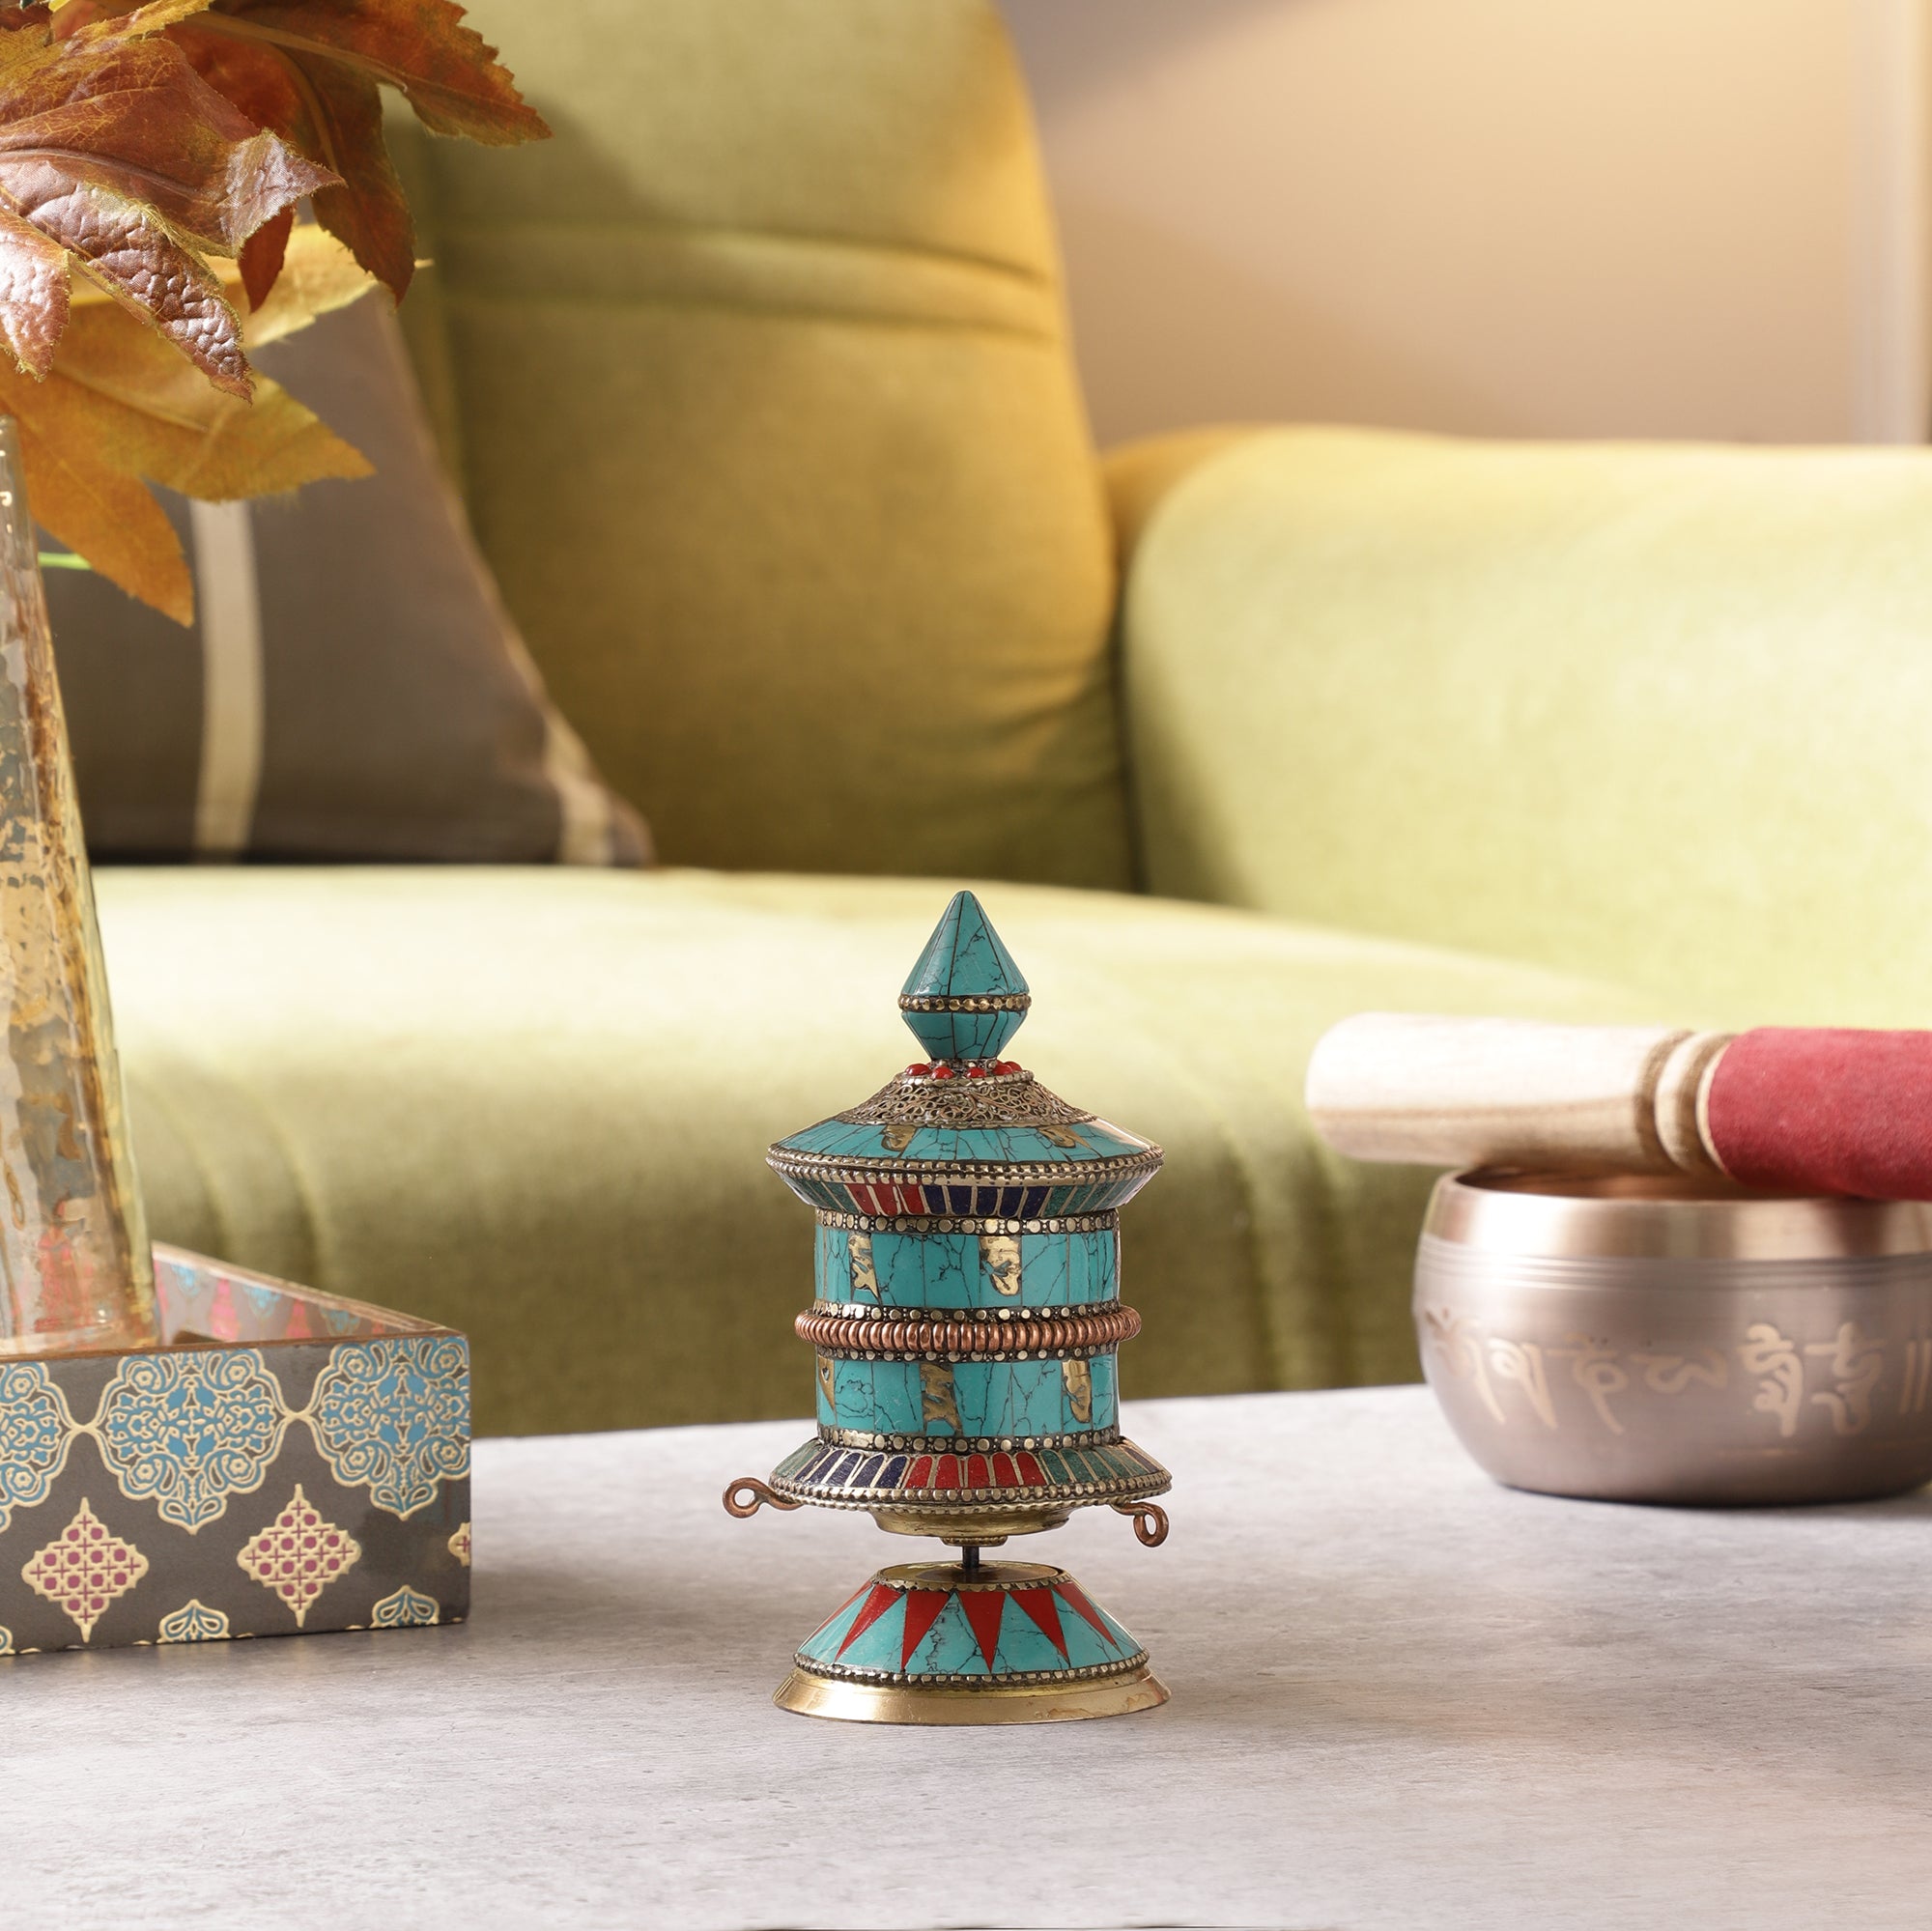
877	1603
922	1611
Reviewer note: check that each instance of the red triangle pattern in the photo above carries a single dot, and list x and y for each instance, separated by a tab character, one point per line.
1075	1599
877	1603
922	1607
983	1609
1039	1603
840	1610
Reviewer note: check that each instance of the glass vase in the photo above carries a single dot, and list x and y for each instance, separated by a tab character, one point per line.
75	1269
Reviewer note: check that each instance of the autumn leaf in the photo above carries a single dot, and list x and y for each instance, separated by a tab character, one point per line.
116	154
323	276
312	71
121	406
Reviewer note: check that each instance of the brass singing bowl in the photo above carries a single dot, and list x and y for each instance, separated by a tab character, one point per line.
1651	1340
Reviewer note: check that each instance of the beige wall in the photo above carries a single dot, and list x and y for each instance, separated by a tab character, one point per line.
1543	217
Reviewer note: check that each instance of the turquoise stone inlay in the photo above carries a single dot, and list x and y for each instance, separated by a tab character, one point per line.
966	1270
942	1398
1015	1398
929	1270
1105	1370
964	960
877	1397
1041	1624
1069	1270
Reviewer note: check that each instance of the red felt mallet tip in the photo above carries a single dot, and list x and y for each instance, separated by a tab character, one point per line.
1824	1110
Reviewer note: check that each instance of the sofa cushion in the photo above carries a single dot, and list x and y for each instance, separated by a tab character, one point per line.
535	1103
767	421
1657	713
352	687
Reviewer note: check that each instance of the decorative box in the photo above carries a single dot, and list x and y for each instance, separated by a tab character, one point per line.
286	1462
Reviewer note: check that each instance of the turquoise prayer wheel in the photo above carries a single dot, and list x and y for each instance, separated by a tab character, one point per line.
966	1321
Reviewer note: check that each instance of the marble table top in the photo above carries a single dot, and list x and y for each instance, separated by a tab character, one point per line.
1402	1697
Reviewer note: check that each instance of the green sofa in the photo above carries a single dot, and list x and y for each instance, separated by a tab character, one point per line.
756	383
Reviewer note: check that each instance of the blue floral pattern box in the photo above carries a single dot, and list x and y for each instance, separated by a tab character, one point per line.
285	1463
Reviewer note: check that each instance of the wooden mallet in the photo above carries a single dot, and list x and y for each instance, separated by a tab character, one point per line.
1782	1109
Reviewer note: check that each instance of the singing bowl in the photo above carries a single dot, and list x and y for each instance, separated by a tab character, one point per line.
1649	1340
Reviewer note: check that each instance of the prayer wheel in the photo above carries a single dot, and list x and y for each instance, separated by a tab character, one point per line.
966	1322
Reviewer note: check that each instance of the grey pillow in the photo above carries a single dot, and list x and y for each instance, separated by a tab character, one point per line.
353	686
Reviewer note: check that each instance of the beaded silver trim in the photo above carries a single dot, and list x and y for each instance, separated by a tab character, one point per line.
965	1002
976	1502
1092	1672
939	1223
966	1444
1010	1316
841	1170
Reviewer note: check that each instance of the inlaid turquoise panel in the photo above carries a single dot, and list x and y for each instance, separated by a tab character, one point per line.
963	1035
966	1270
929	1270
1104	1370
951	1646
879	1397
1019	1398
964	958
1023	1645
824	1642
1069	1270
939	1399
1022	1398
877	1646
1085	1647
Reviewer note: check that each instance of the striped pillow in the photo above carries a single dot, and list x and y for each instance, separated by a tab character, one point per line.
353	686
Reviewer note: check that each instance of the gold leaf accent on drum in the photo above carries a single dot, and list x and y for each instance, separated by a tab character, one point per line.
1078	1378
938	1399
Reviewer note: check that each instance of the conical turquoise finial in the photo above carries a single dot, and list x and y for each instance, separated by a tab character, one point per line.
965	998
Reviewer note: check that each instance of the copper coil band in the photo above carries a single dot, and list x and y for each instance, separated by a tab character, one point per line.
871	1334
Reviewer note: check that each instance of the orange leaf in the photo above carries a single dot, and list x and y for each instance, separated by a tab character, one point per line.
263	254
113	150
88	502
119	405
311	70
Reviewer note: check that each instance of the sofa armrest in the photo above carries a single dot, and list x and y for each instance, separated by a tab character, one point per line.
1659	713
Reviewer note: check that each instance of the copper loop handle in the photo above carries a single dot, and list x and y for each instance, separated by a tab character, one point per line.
761	1496
1149	1520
